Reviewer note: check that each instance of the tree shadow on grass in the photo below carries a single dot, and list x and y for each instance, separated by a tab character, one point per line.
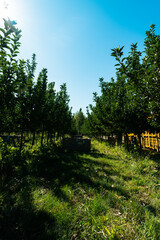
96	154
156	158
19	223
19	218
74	168
52	169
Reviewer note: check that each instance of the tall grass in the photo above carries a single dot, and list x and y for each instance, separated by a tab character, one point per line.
47	193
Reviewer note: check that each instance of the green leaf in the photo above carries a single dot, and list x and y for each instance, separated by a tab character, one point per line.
2	30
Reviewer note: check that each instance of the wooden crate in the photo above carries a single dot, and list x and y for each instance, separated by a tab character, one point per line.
77	144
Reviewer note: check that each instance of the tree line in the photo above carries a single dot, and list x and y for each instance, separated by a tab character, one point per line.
128	104
131	102
29	105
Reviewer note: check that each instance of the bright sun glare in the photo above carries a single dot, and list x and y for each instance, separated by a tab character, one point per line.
7	10
4	9
15	10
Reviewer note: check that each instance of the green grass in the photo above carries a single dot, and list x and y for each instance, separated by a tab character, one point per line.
107	194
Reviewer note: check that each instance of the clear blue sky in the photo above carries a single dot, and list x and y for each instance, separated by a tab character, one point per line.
73	38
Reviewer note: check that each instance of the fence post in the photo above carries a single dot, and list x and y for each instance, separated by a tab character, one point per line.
142	140
157	142
148	141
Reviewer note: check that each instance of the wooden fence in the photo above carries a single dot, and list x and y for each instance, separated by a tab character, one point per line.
148	140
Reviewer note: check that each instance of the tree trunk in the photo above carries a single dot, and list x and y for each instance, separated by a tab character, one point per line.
42	137
51	137
48	137
54	137
126	141
119	139
33	138
139	137
21	143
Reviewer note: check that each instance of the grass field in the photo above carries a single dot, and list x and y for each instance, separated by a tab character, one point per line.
106	194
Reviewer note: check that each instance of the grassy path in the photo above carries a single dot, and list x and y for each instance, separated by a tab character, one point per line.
107	194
